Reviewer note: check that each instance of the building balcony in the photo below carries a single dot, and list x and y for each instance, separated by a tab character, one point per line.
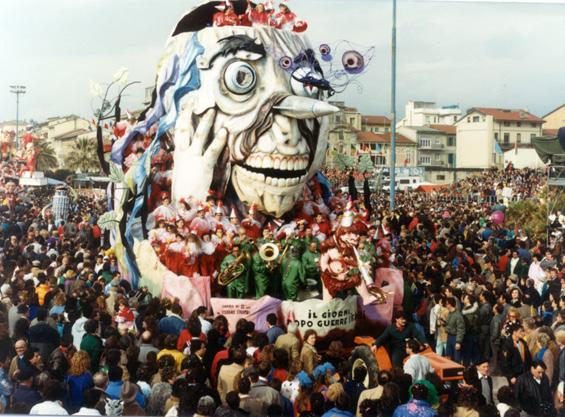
432	146
432	163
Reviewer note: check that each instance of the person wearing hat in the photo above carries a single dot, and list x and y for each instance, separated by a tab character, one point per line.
251	225
482	381
128	396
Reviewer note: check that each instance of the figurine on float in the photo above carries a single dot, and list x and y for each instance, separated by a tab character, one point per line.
341	266
30	158
7	143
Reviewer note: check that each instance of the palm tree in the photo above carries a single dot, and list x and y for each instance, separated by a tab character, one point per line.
82	157
46	159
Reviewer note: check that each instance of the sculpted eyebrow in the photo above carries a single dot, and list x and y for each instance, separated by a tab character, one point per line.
233	44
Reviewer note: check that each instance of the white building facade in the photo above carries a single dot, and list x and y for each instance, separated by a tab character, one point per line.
483	135
425	113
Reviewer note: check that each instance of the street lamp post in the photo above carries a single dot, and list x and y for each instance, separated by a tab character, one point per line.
393	113
18	90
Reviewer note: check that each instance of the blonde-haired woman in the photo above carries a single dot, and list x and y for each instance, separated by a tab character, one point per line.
58	304
78	380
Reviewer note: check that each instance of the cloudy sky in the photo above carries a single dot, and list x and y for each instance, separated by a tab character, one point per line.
467	53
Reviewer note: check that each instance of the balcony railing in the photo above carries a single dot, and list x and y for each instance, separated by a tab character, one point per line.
431	146
432	163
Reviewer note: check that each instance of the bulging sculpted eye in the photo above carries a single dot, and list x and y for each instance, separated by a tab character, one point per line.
240	77
285	62
353	62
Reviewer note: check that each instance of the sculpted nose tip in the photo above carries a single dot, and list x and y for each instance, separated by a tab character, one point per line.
304	108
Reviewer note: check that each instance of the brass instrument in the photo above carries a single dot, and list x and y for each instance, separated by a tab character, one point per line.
269	252
233	270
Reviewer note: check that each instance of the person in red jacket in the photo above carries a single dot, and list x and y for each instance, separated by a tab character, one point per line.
125	317
258	15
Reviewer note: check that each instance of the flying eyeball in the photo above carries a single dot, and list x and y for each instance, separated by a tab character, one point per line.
325	51
353	62
331	69
286	62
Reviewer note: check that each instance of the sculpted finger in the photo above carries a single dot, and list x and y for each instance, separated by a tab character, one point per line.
215	149
203	130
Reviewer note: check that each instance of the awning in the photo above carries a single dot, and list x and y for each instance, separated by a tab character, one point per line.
53	181
549	149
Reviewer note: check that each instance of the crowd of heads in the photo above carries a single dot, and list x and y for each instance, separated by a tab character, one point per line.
75	334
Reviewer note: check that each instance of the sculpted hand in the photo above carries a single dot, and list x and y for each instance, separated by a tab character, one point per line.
194	166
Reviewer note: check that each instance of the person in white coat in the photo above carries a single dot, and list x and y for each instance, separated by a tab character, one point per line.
417	365
53	394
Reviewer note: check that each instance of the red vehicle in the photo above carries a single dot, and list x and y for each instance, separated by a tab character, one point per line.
375	360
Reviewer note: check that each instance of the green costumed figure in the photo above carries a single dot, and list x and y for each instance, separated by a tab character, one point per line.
311	265
238	287
295	241
293	274
308	239
260	274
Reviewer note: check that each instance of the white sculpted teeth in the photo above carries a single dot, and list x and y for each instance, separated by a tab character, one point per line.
285	163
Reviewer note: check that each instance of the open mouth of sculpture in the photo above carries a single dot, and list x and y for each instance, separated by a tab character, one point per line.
276	170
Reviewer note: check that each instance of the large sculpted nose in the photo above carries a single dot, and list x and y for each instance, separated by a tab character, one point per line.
286	134
304	108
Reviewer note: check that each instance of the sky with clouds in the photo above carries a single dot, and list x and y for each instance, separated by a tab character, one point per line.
467	53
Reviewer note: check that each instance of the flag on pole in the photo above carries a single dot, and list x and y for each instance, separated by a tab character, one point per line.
497	148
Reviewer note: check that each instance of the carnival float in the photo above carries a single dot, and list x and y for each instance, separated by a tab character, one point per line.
216	196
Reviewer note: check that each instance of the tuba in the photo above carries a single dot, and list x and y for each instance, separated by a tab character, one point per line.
233	271
269	252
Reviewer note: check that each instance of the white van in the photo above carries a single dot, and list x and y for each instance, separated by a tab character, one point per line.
404	183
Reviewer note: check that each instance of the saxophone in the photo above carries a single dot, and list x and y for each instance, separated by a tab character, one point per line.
233	271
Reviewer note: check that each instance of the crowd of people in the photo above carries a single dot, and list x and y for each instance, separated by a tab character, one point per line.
76	338
261	14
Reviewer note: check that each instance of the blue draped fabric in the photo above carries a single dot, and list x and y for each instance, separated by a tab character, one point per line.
326	186
181	74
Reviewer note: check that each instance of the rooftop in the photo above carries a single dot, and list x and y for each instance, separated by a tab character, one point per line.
554	110
448	129
71	135
375	120
513	115
371	137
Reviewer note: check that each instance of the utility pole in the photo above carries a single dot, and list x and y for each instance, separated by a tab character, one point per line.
393	113
18	90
